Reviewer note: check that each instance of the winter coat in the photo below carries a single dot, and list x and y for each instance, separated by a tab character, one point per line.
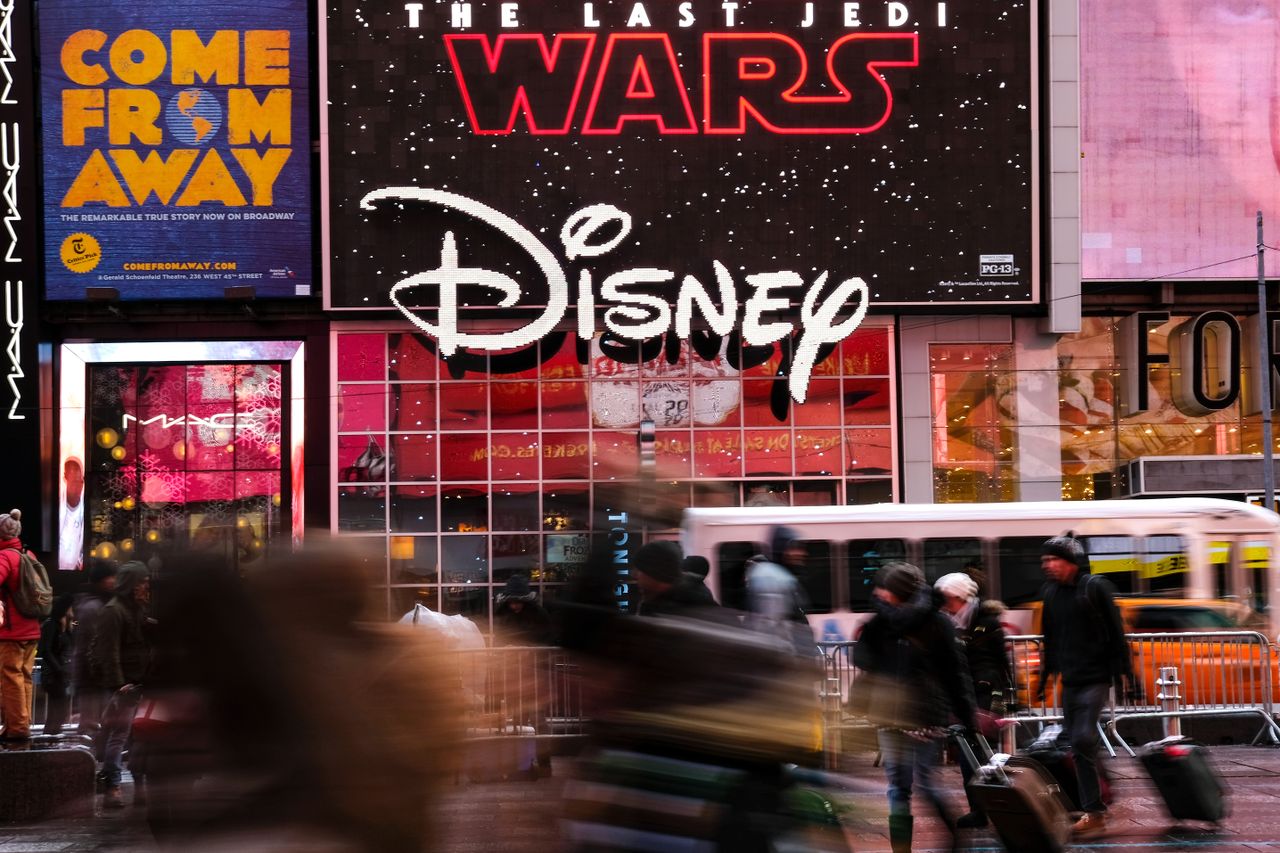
55	654
915	672
683	598
14	626
88	609
778	605
984	649
531	626
120	653
1084	638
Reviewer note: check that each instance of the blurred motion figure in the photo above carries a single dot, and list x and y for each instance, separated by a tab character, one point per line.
87	607
775	597
121	659
915	680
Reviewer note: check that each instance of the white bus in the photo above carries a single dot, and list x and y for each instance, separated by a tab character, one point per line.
1202	548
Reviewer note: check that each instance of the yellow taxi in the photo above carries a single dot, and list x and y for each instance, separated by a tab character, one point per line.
1223	671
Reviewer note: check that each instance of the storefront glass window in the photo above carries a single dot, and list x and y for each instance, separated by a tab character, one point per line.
1102	432
519	458
186	456
974	418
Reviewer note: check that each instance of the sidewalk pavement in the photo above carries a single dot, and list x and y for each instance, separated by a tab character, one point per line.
521	817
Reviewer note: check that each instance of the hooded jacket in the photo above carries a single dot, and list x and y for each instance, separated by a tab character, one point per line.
14	626
919	674
120	653
1084	638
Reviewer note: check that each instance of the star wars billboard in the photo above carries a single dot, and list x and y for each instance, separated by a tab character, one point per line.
641	168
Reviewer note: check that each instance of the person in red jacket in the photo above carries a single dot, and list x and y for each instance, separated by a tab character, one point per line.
19	636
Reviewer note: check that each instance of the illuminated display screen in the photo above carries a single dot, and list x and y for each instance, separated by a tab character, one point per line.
642	145
175	148
1179	139
205	452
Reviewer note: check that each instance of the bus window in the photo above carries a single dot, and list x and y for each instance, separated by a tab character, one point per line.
1115	558
1256	558
732	558
866	556
1018	561
1219	567
815	577
944	556
1164	564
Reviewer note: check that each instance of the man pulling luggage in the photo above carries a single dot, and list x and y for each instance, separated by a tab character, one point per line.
1084	644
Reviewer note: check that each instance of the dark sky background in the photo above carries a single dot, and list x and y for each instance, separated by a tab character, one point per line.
909	207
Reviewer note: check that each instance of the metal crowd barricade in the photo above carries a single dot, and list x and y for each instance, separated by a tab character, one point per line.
838	676
525	691
1223	673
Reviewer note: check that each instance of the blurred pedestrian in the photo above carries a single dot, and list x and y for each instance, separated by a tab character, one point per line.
55	651
696	570
775	597
977	625
666	591
1084	644
378	726
87	608
519	619
19	636
915	682
121	657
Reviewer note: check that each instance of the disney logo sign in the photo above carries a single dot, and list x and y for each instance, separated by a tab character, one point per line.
593	232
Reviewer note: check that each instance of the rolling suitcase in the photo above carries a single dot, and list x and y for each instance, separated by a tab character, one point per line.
1020	798
1060	761
1189	785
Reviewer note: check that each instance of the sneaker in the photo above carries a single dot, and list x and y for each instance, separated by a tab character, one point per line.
1090	825
971	821
113	798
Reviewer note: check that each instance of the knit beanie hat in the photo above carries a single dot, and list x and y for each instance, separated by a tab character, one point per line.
957	584
781	538
902	579
100	570
660	561
130	575
11	524
1067	547
517	589
697	566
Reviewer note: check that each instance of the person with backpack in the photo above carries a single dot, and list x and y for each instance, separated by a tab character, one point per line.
1085	645
25	598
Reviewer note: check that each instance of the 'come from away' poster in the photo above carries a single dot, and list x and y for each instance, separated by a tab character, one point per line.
176	155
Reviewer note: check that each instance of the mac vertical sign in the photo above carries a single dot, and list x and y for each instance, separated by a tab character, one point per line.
20	263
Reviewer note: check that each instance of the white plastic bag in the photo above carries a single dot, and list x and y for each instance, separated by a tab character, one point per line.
459	631
457	634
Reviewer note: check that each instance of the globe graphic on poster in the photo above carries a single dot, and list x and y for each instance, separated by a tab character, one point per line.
193	116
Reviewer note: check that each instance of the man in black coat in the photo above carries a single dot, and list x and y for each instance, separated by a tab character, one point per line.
1084	644
665	588
917	681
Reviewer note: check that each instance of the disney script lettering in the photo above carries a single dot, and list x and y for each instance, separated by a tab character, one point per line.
635	316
